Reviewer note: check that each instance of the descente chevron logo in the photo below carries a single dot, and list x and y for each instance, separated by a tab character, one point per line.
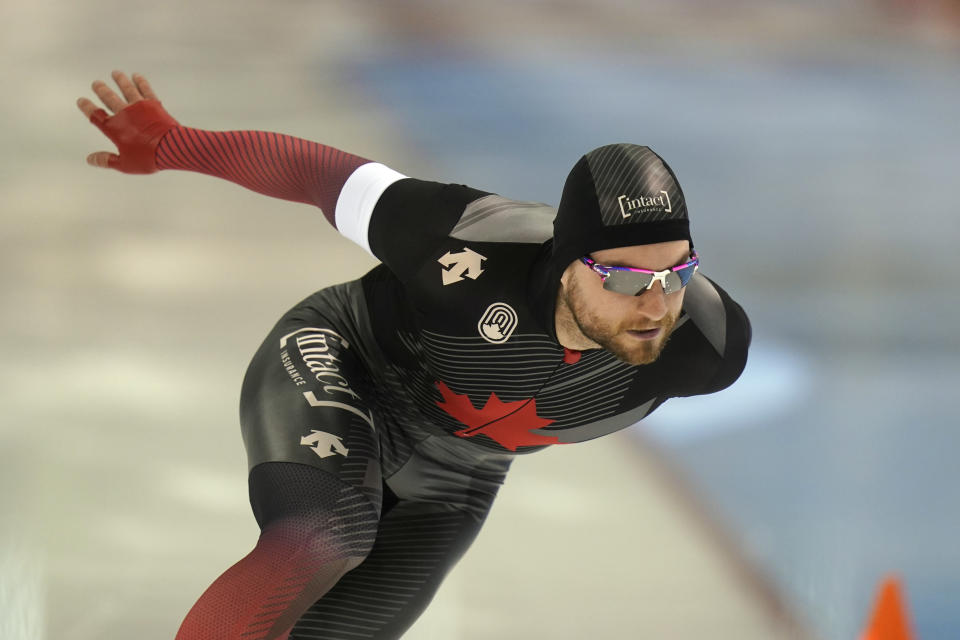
644	204
467	263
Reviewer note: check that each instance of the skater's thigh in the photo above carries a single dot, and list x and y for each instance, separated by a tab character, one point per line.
303	399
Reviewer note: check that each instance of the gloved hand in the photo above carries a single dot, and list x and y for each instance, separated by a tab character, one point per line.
137	127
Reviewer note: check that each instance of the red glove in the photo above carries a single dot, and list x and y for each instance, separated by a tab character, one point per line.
136	130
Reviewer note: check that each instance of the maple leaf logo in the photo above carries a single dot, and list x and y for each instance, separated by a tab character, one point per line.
508	423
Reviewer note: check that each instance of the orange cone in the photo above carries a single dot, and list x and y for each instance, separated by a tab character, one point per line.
889	621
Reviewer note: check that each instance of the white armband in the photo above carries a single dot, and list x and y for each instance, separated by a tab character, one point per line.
358	198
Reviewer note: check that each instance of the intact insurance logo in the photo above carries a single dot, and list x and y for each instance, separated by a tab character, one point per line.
497	323
319	350
644	204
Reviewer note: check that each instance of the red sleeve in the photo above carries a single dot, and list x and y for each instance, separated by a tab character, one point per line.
273	164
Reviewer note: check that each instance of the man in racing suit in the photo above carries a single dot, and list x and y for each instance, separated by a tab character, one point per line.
380	416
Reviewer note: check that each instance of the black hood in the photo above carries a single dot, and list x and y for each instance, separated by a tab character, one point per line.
618	196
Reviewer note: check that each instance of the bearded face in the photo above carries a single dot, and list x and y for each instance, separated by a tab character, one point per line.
633	328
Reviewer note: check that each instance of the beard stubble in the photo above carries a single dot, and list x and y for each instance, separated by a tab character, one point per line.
613	336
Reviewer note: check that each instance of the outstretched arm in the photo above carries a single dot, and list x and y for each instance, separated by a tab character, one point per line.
148	139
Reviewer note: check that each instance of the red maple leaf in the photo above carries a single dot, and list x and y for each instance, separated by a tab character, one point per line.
508	423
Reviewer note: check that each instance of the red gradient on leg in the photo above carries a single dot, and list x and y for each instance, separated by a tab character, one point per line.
262	596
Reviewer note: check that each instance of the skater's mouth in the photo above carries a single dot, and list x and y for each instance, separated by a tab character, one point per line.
649	334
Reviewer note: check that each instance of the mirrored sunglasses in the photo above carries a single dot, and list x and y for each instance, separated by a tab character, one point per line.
630	281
